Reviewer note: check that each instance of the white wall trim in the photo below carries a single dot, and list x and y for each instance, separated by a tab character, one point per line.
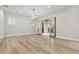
67	38
19	34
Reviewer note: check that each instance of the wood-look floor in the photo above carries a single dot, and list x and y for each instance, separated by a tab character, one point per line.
37	44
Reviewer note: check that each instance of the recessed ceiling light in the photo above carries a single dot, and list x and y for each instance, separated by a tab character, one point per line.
48	6
21	11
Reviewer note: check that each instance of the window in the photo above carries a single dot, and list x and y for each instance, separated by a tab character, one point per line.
11	23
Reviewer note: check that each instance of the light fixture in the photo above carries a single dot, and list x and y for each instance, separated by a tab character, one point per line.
48	6
34	15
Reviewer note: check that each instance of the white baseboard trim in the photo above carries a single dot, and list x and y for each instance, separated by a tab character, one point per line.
67	38
46	34
19	35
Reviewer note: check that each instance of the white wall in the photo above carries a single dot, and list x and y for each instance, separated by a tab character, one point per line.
67	22
23	26
1	23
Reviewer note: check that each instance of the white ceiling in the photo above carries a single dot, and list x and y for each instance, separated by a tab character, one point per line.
41	10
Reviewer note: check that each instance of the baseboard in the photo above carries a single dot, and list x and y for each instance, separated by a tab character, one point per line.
19	35
67	38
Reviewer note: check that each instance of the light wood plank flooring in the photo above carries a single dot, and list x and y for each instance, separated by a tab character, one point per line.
37	44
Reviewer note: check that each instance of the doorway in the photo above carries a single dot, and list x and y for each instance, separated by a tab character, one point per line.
49	27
